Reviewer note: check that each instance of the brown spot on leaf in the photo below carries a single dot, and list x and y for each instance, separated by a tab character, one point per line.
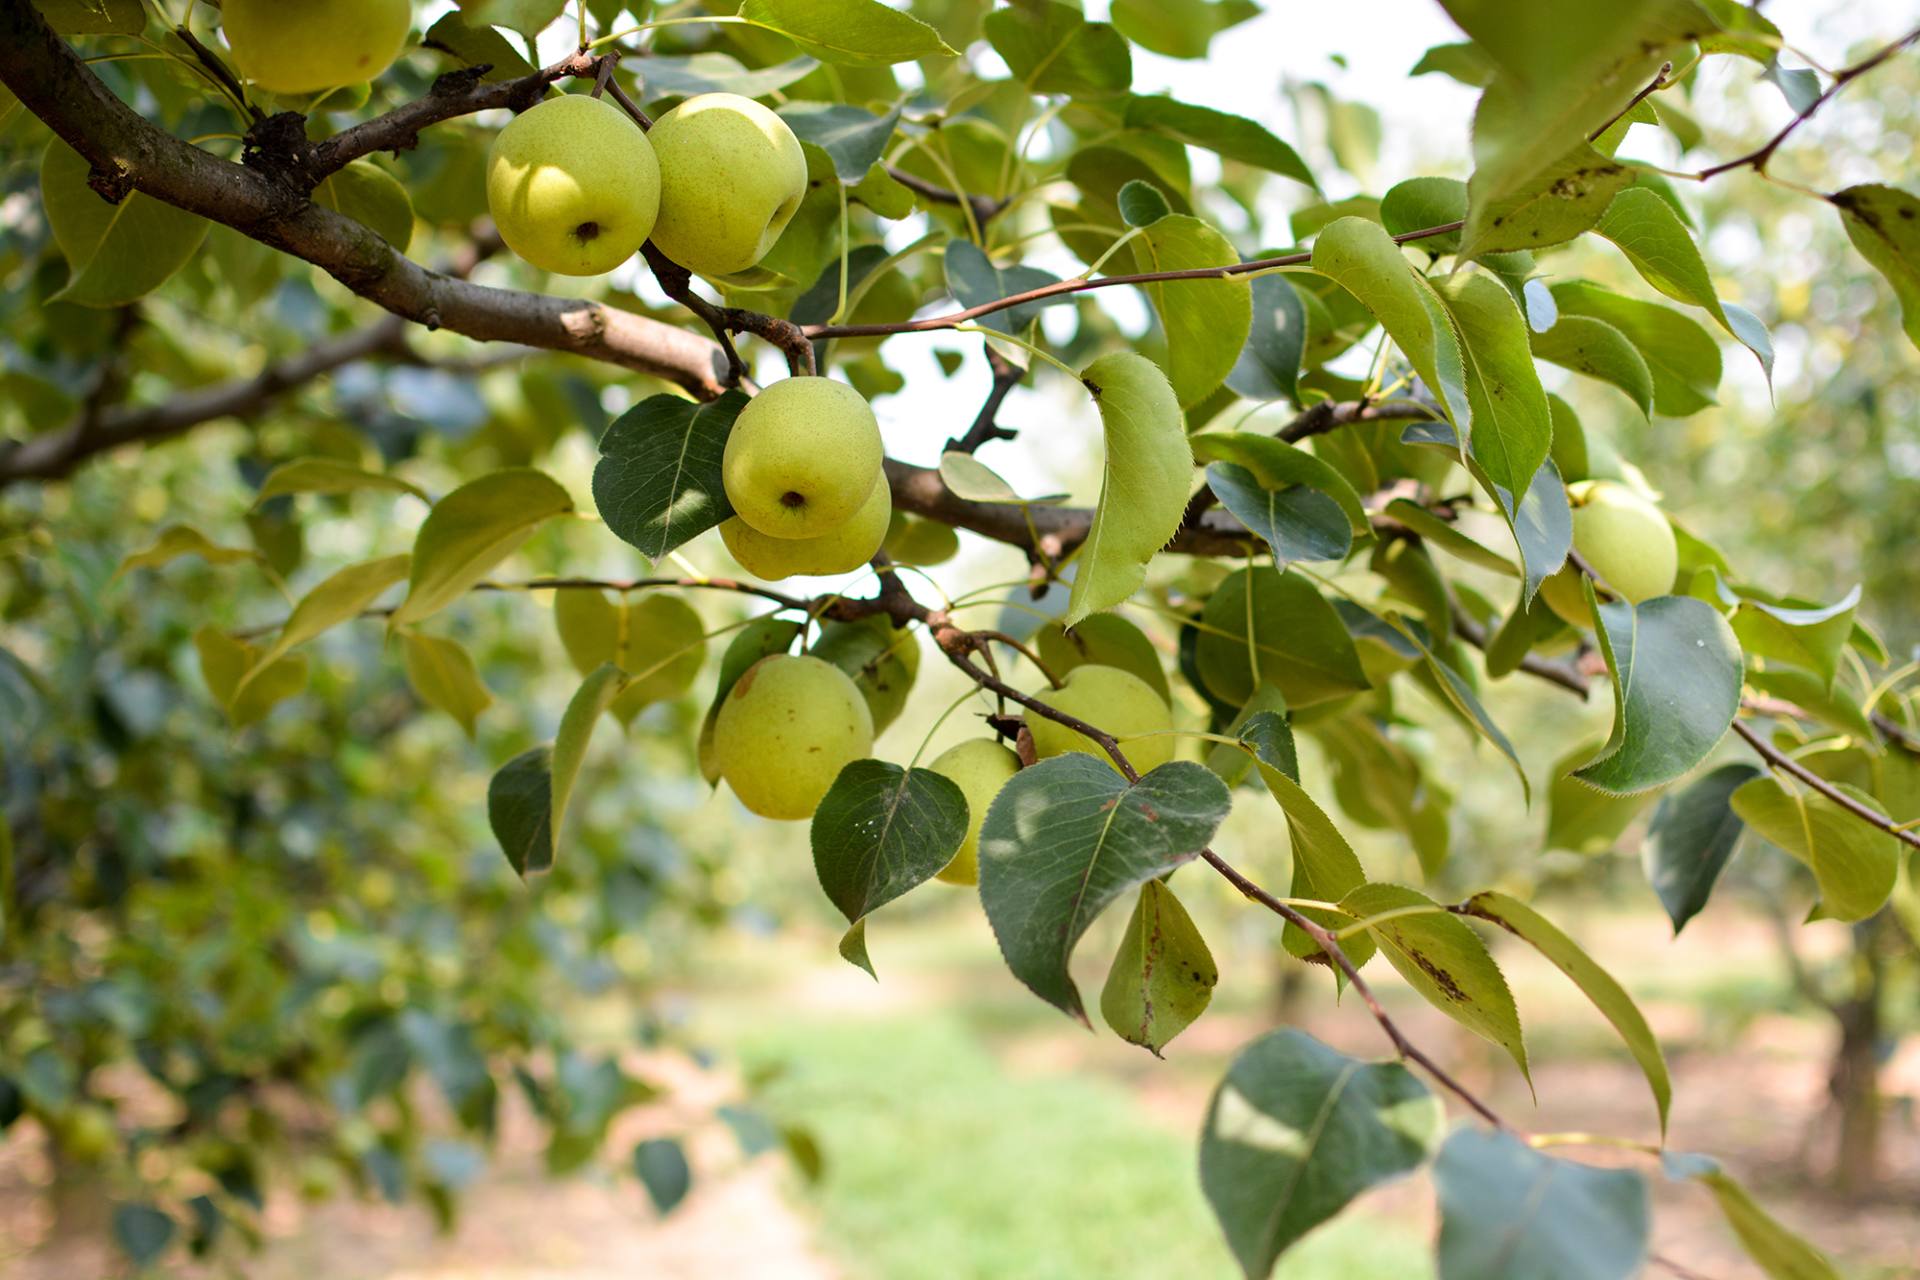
1441	978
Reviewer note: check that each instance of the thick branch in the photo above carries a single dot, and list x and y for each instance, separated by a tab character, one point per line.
986	424
129	154
56	454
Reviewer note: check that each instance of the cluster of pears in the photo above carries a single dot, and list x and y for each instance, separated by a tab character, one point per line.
803	473
790	723
1625	538
576	187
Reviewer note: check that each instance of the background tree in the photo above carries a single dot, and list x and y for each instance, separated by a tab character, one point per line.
1376	562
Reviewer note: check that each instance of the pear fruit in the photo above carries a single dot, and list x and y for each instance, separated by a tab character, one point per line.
787	728
1107	640
1109	699
314	44
573	185
1627	541
839	550
802	459
732	175
979	767
881	659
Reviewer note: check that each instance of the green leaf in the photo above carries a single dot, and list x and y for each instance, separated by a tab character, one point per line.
1269	363
1455	690
1512	427
1543	526
225	662
442	673
1508	1212
1278	628
1142	204
854	138
1052	48
142	1232
473	529
1296	522
93	17
372	197
657	484
661	1165
1855	864
1466	62
595	695
1228	136
1444	960
341	597
1419	203
659	640
1810	636
476	43
1690	838
1676	686
1442	534
1580	819
1162	977
882	661
325	475
1608	996
178	540
1552	206
1067	837
1105	639
849	33
1813	695
670	77
1658	244
880	831
1324	864
1276	464
1362	258
1206	321
1778	1252
1682	358
1179	28
528	17
1296	1131
1884	225
116	253
973	279
1598	350
527	799
1143	484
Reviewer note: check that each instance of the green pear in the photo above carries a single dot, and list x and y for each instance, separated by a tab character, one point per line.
882	661
979	767
761	638
732	174
803	458
1627	541
314	44
786	729
573	185
1114	701
839	550
1107	640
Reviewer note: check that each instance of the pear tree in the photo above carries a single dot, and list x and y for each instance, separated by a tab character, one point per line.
1355	481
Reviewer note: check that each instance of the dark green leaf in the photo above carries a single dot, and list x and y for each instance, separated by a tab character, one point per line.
1508	1212
1598	350
1269	363
1052	48
1682	357
855	138
1676	686
1298	641
1229	136
1142	204
1275	464
973	279
1067	837
520	810
662	1168
142	1232
1296	522
1296	1131
1657	243
1692	835
657	483
1543	526
881	830
1560	201
1162	977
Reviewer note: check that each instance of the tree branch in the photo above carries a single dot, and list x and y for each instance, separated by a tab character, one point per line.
129	154
986	424
985	208
1780	762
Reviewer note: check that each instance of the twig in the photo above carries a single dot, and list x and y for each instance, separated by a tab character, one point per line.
219	69
1565	675
1780	762
1658	83
1759	156
986	426
985	208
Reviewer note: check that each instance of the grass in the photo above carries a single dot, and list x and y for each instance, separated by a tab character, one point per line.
942	1166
